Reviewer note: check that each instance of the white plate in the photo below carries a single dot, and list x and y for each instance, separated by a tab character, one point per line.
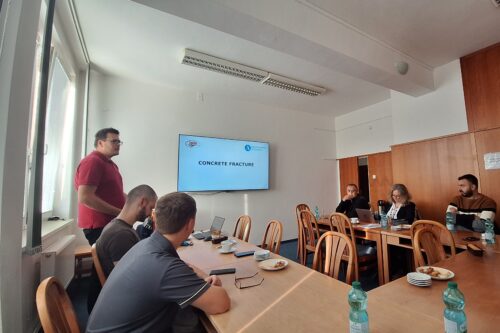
226	252
418	276
270	264
444	274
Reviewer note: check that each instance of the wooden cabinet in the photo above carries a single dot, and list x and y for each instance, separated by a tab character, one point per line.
481	82
489	180
380	166
430	170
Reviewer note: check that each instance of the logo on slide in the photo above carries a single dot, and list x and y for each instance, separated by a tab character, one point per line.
192	143
248	147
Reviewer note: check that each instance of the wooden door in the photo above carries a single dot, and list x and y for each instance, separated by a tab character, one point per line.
430	170
380	176
348	171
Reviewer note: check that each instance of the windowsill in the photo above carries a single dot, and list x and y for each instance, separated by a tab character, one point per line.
48	228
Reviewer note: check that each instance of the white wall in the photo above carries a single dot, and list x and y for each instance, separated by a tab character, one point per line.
438	113
20	21
364	131
151	117
404	118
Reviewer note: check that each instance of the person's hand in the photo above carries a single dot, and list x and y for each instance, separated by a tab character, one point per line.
347	197
214	280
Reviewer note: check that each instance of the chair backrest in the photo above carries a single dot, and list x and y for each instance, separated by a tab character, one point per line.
329	257
272	236
300	207
242	228
309	228
429	236
341	223
97	265
54	308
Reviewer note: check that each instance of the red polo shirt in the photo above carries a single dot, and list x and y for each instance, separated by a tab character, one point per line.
98	170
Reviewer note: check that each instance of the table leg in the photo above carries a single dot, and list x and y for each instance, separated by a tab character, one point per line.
385	259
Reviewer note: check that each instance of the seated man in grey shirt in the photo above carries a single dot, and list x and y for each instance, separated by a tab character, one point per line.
151	284
118	236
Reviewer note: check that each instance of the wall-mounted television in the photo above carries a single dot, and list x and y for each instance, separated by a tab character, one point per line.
218	164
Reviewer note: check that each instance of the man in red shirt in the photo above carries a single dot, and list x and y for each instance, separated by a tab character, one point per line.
99	185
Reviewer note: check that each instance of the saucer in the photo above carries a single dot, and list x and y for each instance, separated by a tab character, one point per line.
221	251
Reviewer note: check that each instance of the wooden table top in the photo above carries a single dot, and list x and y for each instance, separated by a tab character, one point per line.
458	235
477	277
299	299
205	255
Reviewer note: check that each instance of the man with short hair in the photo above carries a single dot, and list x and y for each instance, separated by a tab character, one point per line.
99	185
471	207
118	235
151	285
351	201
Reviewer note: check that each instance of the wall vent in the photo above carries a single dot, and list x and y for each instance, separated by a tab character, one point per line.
205	61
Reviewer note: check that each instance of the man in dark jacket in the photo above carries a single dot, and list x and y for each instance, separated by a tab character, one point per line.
351	201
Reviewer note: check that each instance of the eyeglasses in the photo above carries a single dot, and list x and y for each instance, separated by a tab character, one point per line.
115	142
245	282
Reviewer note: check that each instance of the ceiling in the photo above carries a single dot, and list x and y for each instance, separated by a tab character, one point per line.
347	46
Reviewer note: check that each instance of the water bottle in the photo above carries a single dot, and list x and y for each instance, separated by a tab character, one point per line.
316	212
451	220
358	317
455	320
490	231
383	220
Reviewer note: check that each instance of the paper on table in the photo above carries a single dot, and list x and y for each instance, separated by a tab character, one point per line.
371	225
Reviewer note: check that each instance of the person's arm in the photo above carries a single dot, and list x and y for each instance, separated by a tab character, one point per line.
410	214
87	196
342	207
215	300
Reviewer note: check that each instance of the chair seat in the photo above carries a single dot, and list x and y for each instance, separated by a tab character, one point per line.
366	250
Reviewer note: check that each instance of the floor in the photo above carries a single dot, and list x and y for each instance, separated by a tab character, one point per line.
78	289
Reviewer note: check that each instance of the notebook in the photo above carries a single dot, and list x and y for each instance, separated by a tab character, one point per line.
365	215
216	225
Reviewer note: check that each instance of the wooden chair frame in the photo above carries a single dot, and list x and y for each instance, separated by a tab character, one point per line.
308	235
97	265
338	248
427	236
272	236
300	207
54	308
341	223
242	228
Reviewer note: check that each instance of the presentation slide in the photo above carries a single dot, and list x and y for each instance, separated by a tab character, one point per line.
215	164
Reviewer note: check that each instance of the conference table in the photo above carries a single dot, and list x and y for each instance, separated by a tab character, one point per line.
299	299
386	237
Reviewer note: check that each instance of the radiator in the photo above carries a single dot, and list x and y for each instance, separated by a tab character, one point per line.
59	260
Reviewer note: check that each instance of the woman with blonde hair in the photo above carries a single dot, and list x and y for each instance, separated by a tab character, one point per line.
402	208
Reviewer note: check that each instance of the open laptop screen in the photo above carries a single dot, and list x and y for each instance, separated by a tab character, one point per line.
217	223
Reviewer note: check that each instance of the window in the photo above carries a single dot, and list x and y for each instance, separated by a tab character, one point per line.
58	148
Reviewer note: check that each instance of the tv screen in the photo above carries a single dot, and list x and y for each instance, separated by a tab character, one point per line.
217	164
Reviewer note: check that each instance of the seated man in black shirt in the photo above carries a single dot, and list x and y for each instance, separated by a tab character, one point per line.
118	236
151	285
351	201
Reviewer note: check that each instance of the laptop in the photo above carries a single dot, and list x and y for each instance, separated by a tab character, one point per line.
365	215
216	225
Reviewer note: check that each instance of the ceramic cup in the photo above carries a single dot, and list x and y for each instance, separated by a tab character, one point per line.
261	255
354	220
226	245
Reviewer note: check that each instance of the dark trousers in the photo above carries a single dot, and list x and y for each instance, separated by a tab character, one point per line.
92	234
95	285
